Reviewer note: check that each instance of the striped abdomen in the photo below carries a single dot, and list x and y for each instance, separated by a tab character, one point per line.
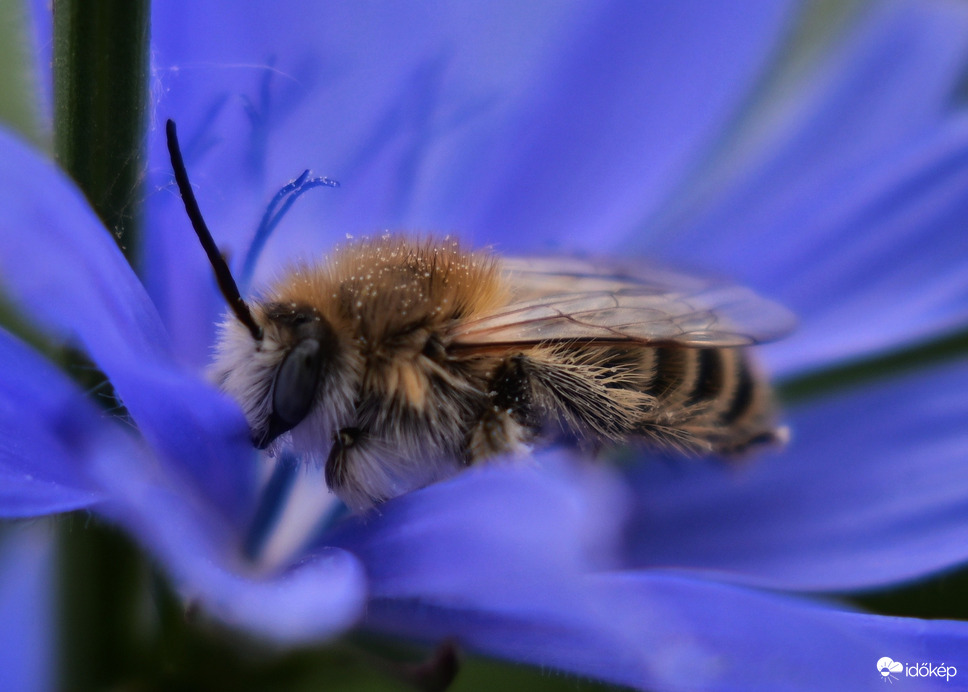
707	398
694	399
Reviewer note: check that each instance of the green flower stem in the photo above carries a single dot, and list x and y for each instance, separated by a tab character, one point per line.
949	347
100	105
108	623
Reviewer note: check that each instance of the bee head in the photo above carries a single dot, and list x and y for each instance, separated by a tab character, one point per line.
273	359
278	378
308	348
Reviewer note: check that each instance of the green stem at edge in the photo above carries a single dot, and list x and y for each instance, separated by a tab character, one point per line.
100	104
101	50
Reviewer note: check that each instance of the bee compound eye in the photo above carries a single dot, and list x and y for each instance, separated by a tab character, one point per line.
293	389
296	382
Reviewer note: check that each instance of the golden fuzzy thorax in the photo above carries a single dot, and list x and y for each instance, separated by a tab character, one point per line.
387	297
378	288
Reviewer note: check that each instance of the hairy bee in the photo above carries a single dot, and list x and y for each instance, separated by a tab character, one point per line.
397	361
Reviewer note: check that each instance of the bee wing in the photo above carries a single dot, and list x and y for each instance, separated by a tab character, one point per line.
578	300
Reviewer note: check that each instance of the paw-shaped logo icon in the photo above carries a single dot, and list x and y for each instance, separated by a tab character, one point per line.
887	667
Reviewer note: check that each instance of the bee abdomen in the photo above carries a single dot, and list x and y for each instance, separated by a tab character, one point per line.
743	393
675	372
709	399
698	400
714	370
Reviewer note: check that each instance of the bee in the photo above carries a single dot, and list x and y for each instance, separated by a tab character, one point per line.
398	361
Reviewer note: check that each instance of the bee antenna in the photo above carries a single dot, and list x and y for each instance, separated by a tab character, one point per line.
226	283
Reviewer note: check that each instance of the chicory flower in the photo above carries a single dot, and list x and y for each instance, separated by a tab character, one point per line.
565	127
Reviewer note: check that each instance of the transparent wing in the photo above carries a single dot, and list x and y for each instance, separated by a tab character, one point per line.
579	300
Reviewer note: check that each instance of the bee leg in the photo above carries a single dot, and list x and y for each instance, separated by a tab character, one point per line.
508	421
354	473
336	467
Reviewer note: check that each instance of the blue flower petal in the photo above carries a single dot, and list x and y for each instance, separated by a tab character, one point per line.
559	125
696	634
62	269
46	431
631	101
524	125
672	632
873	490
849	200
852	112
317	598
667	631
200	549
884	262
514	533
27	639
491	559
